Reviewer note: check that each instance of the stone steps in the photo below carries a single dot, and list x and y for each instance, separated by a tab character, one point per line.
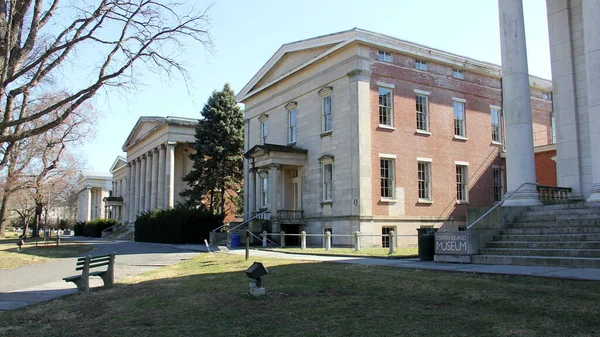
544	261
595	253
557	217
569	206
547	238
553	230
545	244
573	211
557	223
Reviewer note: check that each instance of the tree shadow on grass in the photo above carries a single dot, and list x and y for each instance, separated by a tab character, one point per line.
208	296
52	251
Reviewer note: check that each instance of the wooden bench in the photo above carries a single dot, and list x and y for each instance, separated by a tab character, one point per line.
89	262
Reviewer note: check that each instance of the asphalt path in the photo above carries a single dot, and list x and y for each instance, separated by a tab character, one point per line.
39	282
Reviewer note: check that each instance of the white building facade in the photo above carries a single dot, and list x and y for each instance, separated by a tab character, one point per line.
95	187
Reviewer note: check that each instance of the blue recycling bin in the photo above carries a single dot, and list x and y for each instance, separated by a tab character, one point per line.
235	240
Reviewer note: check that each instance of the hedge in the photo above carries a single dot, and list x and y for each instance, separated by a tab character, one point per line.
94	227
178	225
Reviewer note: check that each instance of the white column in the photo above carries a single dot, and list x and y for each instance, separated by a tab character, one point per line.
143	184
273	189
516	103
138	166
591	35
88	203
170	175
154	195
131	193
148	188
161	177
251	192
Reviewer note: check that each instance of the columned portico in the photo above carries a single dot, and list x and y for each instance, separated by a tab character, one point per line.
516	102
591	34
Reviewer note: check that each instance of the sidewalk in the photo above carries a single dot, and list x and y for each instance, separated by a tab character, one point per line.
590	274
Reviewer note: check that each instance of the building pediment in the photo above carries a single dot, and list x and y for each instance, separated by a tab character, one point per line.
146	125
271	154
118	163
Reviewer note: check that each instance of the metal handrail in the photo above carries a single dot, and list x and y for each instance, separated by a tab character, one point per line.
111	227
506	196
227	224
247	221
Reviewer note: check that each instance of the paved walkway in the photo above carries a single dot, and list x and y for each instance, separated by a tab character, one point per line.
41	282
413	263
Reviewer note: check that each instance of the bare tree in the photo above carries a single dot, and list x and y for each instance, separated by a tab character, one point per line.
36	43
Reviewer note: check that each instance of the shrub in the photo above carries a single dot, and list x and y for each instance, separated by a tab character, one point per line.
178	225
78	228
95	227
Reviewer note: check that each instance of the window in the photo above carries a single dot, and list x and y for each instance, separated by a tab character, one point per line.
498	184
327	125
547	96
385	236
461	183
422	113
420	64
385	106
496	137
387	178
458	74
264	189
292	126
384	56
424	178
327	182
264	130
459	119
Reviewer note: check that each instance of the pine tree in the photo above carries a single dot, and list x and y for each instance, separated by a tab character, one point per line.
217	171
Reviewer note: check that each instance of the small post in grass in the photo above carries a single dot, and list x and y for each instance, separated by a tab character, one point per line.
247	245
327	240
228	239
264	237
303	240
58	238
282	239
392	243
356	241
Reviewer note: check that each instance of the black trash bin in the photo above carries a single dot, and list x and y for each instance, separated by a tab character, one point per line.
426	243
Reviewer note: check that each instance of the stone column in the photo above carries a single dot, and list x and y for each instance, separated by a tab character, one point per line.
131	193
161	177
148	188
170	175
251	192
520	163
273	189
154	194
143	184
88	203
591	35
138	166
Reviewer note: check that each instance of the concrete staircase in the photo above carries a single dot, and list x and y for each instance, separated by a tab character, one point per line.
565	235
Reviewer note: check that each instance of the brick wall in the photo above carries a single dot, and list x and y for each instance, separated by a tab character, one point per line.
480	92
545	168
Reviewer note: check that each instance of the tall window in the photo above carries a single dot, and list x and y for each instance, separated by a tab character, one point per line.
422	112
292	125
456	73
327	125
459	119
328	182
498	184
385	106
424	178
496	136
264	189
385	236
420	64
264	130
387	178
461	183
384	56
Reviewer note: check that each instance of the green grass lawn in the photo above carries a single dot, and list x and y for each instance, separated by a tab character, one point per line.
382	252
207	296
10	257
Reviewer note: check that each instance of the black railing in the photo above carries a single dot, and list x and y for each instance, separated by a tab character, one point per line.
290	214
553	194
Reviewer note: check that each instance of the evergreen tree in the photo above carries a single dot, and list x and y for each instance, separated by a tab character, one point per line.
217	173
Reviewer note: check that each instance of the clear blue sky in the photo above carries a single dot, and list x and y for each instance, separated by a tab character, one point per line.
247	33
